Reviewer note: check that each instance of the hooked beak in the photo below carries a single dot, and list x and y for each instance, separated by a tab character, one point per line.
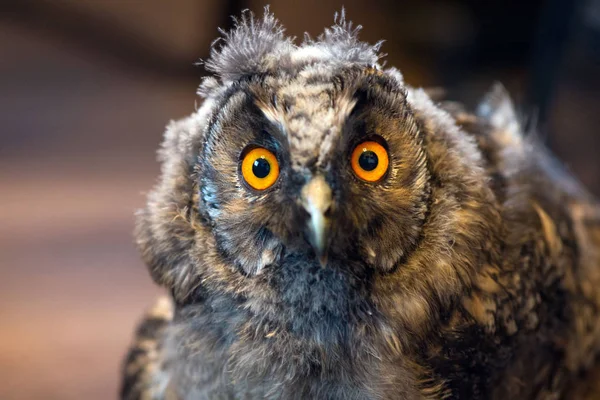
316	200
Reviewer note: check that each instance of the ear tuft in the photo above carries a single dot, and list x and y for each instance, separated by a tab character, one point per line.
341	41
252	46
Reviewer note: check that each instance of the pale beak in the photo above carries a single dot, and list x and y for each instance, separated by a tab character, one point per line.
317	200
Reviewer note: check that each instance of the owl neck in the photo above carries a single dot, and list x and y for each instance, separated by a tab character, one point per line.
309	351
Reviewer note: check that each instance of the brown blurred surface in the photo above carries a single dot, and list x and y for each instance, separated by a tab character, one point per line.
79	126
78	143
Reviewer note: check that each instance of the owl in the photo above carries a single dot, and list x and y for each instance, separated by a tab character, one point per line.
326	231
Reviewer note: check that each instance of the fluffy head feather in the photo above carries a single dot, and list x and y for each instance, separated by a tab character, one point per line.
258	46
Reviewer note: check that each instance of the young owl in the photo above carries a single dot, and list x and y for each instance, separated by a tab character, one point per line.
326	231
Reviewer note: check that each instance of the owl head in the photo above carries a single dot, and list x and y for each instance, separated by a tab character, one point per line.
310	172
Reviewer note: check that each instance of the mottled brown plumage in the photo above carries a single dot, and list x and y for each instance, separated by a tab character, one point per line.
470	270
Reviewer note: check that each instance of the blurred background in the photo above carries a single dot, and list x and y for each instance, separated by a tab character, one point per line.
86	87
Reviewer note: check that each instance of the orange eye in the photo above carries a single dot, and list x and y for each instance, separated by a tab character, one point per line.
370	161
260	168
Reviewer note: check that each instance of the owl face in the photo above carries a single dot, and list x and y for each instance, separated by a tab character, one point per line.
312	182
326	165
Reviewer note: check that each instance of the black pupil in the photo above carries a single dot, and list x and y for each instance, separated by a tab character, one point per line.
368	160
261	168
